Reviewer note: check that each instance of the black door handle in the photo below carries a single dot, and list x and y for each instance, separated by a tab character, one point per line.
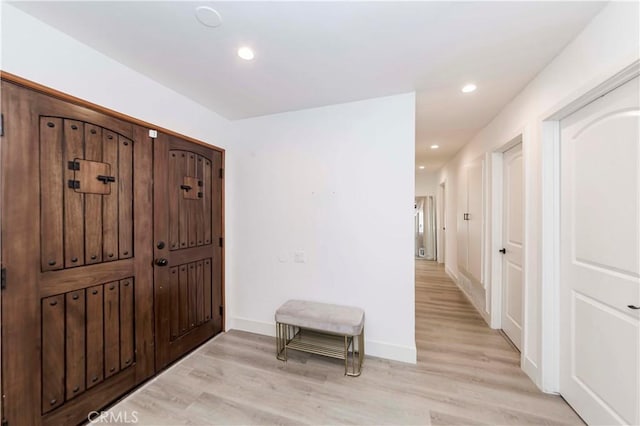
186	187
503	251
633	307
162	262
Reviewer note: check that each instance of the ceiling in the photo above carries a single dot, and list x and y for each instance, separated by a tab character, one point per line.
310	54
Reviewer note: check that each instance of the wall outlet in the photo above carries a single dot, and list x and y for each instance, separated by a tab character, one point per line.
299	256
283	257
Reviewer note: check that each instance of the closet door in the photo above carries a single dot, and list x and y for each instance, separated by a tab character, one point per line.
463	224
475	221
188	243
470	221
76	311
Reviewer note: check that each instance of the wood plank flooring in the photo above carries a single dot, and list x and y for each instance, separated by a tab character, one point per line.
466	374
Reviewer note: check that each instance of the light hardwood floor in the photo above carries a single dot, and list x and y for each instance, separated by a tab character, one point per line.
466	374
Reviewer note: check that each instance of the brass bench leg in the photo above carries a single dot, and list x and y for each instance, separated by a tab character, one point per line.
356	363
281	341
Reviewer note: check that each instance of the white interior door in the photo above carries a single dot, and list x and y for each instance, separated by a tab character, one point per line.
442	224
475	221
600	258
512	235
462	222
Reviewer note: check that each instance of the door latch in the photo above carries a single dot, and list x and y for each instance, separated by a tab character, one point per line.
106	179
503	250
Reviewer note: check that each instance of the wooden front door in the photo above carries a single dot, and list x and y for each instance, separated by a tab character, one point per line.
77	310
188	246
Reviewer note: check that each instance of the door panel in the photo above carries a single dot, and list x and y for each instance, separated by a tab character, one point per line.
93	202
51	176
110	202
600	258
67	243
512	235
53	386
125	197
475	221
188	205
75	345
73	149
95	336
111	328
470	222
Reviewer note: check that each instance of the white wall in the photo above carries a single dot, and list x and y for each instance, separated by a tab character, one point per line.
426	183
337	183
38	52
35	51
608	44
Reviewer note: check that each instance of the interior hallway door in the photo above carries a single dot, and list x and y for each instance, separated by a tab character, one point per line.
512	235
600	258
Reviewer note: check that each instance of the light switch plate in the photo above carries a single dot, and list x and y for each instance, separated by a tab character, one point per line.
299	256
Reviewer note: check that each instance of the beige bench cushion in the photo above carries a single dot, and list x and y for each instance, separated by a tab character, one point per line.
338	319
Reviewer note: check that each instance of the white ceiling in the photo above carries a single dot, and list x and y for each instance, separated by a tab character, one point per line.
311	54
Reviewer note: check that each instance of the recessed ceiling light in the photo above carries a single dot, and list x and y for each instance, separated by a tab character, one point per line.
421	167
468	88
435	146
246	53
208	16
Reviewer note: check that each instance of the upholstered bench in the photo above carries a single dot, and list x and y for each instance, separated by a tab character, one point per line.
324	329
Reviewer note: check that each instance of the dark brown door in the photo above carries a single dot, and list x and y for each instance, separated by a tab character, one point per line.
77	311
188	246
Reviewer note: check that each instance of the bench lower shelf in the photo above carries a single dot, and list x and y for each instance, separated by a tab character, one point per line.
348	348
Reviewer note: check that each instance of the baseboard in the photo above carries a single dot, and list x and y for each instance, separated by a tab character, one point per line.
486	316
531	369
391	351
373	348
450	273
252	326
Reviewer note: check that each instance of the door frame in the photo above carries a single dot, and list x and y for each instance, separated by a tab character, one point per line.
551	204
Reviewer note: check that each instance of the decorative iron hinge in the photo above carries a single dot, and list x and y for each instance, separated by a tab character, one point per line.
73	165
221	310
221	173
74	184
221	241
3	278
2	134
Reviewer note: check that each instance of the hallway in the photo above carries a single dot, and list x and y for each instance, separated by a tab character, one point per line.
466	374
455	342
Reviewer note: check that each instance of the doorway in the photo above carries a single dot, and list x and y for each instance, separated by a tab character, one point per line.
425	228
441	222
91	206
600	257
512	245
